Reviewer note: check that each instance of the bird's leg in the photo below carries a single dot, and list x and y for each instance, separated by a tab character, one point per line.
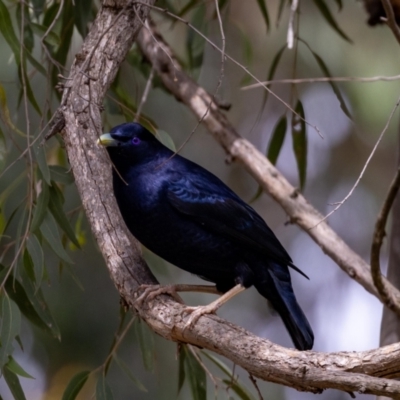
211	308
151	291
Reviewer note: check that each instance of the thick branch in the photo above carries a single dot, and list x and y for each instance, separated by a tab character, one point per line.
272	181
94	69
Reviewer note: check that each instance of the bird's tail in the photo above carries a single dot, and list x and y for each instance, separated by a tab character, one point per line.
275	285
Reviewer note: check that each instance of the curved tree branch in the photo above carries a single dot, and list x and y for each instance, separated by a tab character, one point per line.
94	68
160	55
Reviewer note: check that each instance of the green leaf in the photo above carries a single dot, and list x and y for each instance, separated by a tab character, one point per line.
196	376
103	390
5	112
50	233
195	43
13	384
56	208
181	367
222	366
323	8
52	38
28	89
7	30
3	150
61	174
75	385
10	327
38	6
166	139
32	304
264	12
241	391
41	207
277	139
36	253
13	366
326	72
83	16
42	162
299	137
129	374
146	343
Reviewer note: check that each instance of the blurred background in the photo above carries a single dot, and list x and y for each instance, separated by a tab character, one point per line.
81	296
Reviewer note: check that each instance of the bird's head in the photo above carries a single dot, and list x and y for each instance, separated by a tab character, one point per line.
130	144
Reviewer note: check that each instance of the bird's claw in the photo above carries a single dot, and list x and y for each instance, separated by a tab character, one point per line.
196	313
152	291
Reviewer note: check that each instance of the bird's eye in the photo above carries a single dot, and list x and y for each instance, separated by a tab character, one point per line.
135	141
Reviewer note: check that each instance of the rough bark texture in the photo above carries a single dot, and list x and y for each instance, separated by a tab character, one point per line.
94	69
271	180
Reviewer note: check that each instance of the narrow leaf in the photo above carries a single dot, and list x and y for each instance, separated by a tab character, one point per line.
10	327
41	207
299	137
32	304
75	385
277	139
3	150
56	208
181	367
146	343
50	233
264	12
196	376
326	13
13	384
13	366
61	174
241	391
42	162
36	253
129	374
5	112
7	30
326	72
280	11
221	365
103	390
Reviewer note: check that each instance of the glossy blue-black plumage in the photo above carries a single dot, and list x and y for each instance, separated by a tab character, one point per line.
190	218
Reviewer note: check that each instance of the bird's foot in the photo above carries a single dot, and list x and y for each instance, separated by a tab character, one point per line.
197	312
152	291
211	308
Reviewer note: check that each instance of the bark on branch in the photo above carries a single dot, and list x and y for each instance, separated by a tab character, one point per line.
94	68
160	55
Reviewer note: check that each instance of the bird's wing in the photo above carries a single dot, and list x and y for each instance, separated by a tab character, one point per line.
213	205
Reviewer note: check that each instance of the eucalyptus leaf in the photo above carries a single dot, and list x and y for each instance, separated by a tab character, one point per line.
103	390
75	385
41	207
9	328
146	343
13	366
124	367
50	233
299	137
13	384
36	252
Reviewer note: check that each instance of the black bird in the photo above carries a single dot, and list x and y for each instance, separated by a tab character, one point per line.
189	217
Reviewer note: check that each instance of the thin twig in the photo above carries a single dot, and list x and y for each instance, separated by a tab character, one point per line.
254	382
391	19
145	94
377	240
340	203
325	79
233	60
